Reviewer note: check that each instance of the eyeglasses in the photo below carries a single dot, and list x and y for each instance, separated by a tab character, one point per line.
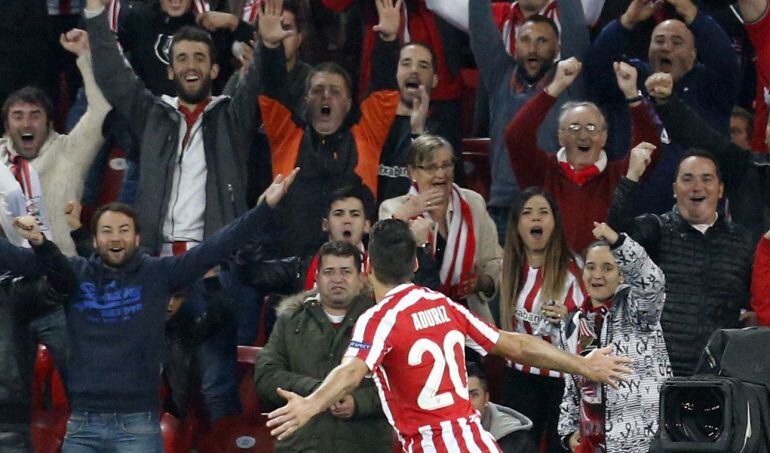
433	168
590	128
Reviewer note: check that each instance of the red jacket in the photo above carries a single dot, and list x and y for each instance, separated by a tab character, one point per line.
580	205
760	282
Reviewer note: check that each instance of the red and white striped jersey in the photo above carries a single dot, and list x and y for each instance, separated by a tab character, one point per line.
414	342
527	314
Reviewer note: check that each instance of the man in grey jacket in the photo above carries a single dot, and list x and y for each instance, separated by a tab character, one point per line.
192	147
192	163
512	81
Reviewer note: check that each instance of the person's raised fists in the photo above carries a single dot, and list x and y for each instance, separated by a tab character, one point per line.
659	86
75	41
638	161
566	72
626	75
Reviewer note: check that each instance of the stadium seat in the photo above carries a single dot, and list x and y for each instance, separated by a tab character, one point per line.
245	432
47	429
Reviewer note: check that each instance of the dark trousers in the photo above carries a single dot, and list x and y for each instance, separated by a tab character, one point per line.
538	398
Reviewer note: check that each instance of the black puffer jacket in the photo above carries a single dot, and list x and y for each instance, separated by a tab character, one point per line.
708	276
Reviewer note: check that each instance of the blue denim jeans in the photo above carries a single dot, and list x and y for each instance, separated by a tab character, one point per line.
136	432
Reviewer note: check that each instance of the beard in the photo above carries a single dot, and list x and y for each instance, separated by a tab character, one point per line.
193	97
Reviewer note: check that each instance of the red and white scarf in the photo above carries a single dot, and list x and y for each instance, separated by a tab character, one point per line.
460	253
21	194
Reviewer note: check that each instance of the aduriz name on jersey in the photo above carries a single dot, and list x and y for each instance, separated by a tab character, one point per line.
429	318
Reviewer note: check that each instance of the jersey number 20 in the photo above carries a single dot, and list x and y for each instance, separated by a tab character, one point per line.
443	357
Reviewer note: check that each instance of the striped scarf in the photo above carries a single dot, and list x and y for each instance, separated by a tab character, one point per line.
460	254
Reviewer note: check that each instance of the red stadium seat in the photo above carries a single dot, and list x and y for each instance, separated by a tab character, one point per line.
47	386
476	161
245	432
47	429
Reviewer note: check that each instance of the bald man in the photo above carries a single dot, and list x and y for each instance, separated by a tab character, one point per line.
698	55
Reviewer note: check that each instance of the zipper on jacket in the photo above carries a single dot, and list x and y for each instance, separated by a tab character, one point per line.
232	199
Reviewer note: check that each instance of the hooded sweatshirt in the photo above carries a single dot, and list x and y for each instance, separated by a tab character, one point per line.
116	319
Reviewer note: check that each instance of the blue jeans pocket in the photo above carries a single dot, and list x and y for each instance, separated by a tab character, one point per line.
75	424
140	424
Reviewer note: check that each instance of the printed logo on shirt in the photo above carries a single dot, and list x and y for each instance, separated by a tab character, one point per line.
163	48
360	345
524	315
393	172
112	305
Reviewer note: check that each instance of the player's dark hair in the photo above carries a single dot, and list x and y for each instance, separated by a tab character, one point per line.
392	252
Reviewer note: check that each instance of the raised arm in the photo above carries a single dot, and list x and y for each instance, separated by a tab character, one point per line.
85	139
54	265
120	86
487	45
188	267
715	52
612	42
648	284
273	62
575	41
685	126
529	162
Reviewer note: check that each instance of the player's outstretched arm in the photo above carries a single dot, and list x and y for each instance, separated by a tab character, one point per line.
298	410
598	366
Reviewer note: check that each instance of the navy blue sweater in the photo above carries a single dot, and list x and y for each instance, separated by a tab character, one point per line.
116	319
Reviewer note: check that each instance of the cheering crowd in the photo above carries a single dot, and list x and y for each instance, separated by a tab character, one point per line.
175	171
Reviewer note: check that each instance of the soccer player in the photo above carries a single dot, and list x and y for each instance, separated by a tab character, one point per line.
413	343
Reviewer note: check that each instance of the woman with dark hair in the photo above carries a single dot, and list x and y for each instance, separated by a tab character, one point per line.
540	286
627	293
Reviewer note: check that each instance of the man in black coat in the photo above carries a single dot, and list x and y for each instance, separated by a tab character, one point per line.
706	257
24	296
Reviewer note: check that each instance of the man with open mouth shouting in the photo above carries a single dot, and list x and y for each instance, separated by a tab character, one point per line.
334	146
698	55
579	175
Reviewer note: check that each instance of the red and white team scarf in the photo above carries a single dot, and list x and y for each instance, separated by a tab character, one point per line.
21	194
460	254
113	11
250	11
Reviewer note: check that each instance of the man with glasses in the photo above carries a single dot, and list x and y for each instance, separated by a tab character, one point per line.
579	175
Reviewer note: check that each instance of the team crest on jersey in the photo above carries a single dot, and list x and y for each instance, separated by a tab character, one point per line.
360	345
163	48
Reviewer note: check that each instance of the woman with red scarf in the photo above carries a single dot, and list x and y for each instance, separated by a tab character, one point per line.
627	293
461	236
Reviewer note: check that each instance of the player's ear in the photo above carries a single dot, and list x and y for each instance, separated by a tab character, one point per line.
416	265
